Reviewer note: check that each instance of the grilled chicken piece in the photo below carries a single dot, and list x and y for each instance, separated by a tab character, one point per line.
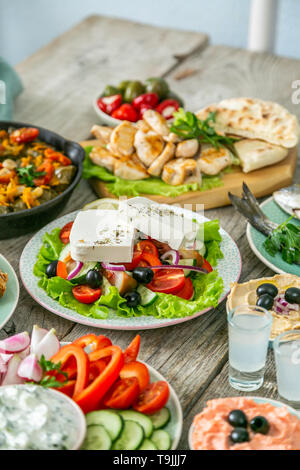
143	126
172	138
212	160
167	154
157	122
3	282
187	148
102	157
148	146
102	133
181	171
130	169
122	139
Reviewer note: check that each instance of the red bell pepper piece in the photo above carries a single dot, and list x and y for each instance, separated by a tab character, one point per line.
149	99
89	399
82	364
61	270
131	352
108	104
125	112
167	108
96	342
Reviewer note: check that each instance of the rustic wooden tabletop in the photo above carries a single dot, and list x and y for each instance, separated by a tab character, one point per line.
60	82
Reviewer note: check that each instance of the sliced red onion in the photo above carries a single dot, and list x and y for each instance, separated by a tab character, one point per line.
75	271
281	306
30	369
15	343
180	266
173	255
113	267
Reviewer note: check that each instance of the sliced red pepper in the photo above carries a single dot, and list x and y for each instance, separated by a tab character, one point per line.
167	108
97	342
90	398
131	352
46	168
125	112
96	368
55	156
109	104
61	270
82	364
68	388
146	99
24	134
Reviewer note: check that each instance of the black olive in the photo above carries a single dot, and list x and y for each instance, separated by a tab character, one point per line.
292	295
237	419
265	301
260	424
94	278
267	288
143	275
51	269
133	298
239	435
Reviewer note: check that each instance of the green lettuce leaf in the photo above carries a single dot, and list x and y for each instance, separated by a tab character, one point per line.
121	187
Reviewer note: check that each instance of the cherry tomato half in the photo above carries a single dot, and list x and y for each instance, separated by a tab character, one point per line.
205	264
122	394
167	281
187	292
153	398
138	370
85	294
137	256
23	135
64	234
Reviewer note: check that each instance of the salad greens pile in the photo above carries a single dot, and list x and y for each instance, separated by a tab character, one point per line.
207	288
285	239
121	187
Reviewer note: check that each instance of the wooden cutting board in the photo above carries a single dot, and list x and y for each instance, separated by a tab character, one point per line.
262	182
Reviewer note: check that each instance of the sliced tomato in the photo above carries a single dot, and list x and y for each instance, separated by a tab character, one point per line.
24	134
61	270
148	247
138	370
85	294
131	352
205	264
153	398
64	234
122	394
167	281
150	259
137	256
187	292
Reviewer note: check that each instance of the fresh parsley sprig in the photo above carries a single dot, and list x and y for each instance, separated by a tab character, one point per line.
188	126
285	239
27	174
50	380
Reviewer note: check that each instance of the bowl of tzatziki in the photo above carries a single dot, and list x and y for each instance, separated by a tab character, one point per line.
33	417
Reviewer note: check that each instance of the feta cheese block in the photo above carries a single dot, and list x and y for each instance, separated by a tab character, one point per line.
100	235
159	221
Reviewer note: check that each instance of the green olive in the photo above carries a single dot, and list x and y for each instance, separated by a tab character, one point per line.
110	90
173	96
123	85
157	85
133	90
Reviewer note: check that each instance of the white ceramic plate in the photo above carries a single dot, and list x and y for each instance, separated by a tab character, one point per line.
10	298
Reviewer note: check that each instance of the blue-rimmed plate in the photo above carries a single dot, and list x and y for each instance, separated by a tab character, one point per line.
256	240
10	298
229	269
259	400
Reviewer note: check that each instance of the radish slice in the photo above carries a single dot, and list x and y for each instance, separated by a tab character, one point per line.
36	337
113	267
15	343
48	346
75	271
11	377
171	254
5	357
3	366
30	369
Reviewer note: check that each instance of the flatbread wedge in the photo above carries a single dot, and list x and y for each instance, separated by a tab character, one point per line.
255	154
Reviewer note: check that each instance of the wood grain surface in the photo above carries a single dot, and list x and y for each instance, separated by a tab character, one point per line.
60	82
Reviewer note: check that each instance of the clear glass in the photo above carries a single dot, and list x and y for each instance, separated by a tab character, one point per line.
287	358
249	329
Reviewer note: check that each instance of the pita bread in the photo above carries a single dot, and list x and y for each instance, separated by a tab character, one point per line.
255	154
255	119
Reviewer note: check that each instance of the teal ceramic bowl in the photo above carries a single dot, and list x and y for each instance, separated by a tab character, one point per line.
10	298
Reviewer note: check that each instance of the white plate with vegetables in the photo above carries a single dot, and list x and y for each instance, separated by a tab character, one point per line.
187	287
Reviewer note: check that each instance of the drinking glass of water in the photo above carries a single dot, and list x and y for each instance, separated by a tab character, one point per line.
287	357
249	329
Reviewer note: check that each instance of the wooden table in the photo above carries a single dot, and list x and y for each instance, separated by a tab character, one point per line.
60	81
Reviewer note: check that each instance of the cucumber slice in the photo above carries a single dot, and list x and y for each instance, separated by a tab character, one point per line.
147	445
139	418
80	277
112	422
65	252
97	438
161	439
160	418
131	437
147	296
